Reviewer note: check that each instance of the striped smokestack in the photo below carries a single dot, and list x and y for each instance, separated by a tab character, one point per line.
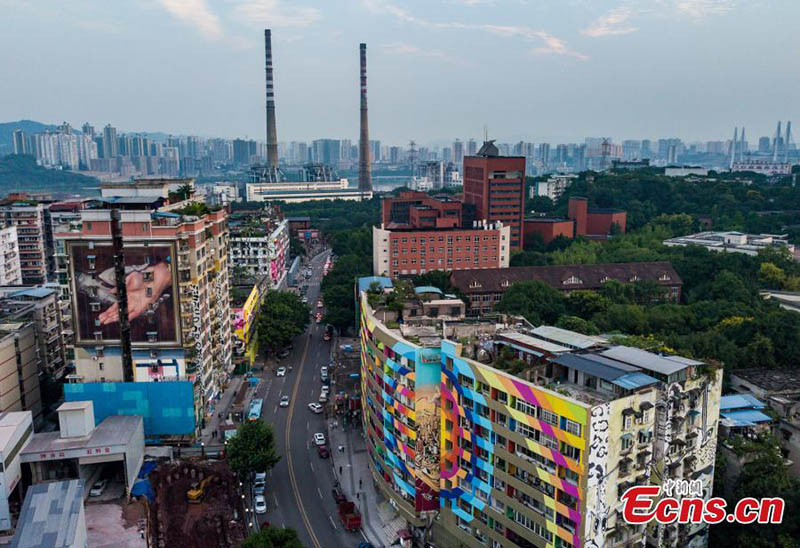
364	165
272	133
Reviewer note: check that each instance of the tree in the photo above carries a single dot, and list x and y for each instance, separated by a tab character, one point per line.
579	325
252	449
435	278
536	301
771	276
296	247
273	537
282	316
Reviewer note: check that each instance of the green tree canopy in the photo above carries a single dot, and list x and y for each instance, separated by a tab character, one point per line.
273	537
536	301
282	316
252	449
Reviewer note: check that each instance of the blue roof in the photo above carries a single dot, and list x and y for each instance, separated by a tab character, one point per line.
744	417
427	289
365	282
166	214
630	381
739	401
39	292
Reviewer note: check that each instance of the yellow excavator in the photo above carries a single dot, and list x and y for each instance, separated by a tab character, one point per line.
197	490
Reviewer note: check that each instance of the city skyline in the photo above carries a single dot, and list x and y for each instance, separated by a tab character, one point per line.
572	54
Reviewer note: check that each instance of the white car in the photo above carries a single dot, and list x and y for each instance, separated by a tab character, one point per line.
98	488
284	401
323	371
326	389
261	477
305	300
260	504
319	438
323	397
281	372
315	407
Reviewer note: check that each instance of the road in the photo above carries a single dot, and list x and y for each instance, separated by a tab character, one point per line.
299	486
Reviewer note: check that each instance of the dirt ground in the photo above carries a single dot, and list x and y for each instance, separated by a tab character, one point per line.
175	523
114	525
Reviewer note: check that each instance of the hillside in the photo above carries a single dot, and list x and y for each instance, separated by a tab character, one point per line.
21	173
28	126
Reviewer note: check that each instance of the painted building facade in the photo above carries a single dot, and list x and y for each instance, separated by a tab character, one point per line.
523	465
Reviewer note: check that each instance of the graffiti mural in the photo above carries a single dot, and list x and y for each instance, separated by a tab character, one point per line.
597	515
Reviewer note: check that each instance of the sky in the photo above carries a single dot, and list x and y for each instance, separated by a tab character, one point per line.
538	70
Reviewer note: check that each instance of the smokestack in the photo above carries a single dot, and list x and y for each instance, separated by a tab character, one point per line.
364	166
272	133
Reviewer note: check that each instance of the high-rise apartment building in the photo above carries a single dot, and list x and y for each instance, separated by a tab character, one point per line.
20	142
458	152
34	239
110	143
472	147
19	366
259	244
177	277
531	455
10	270
495	186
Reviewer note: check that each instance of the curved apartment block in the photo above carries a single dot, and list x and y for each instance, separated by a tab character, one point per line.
483	436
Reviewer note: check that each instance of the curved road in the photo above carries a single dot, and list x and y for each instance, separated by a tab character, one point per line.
299	487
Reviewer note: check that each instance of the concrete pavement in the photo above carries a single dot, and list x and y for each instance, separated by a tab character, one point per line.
380	521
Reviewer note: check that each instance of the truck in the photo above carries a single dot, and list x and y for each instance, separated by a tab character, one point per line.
349	516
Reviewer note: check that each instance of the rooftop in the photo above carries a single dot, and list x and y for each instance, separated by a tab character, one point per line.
365	282
567	338
50	515
743	417
36	292
664	365
114	430
739	401
771	380
535	342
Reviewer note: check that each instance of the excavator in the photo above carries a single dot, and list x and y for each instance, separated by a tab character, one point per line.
197	490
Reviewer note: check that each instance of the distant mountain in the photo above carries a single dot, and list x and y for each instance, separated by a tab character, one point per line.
28	126
19	173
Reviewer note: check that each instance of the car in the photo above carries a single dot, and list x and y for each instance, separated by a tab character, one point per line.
281	372
323	451
284	401
98	488
319	304
305	300
260	504
326	389
319	439
323	370
284	353
315	407
261	477
319	318
258	489
323	397
338	495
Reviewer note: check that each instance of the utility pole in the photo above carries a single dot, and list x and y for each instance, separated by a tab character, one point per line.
122	295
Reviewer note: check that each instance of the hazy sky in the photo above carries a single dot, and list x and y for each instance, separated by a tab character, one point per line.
529	69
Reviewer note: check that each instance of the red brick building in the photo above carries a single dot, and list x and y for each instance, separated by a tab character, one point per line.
549	228
419	210
597	222
495	186
409	251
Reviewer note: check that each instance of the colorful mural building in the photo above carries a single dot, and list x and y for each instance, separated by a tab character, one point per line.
259	244
245	342
530	438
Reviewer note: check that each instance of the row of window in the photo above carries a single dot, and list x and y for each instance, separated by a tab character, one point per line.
493	238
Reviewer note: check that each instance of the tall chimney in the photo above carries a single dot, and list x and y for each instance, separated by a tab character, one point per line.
272	133
364	166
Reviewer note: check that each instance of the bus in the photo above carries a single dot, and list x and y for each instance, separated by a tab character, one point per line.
254	413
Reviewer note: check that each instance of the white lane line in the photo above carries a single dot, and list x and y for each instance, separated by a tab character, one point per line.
276	500
332	523
306	425
365	536
276	410
320	493
312	465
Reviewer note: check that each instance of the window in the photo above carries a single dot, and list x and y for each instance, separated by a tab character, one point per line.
573	280
627	422
526	408
548	416
100	366
570	426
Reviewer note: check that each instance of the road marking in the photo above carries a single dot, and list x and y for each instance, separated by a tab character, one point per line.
365	536
274	496
312	465
320	493
288	443
306	426
332	523
276	410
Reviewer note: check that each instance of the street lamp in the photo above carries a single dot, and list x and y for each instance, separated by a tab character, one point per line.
202	449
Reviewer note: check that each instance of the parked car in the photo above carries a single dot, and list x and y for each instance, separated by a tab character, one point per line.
319	438
323	397
283	354
258	489
323	451
261	477
260	505
305	300
326	389
281	371
315	407
98	488
284	401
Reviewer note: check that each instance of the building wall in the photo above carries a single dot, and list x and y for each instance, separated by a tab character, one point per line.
600	223
549	230
495	197
32	240
10	270
402	253
19	371
577	210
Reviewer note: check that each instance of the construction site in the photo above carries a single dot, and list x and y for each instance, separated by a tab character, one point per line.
196	505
